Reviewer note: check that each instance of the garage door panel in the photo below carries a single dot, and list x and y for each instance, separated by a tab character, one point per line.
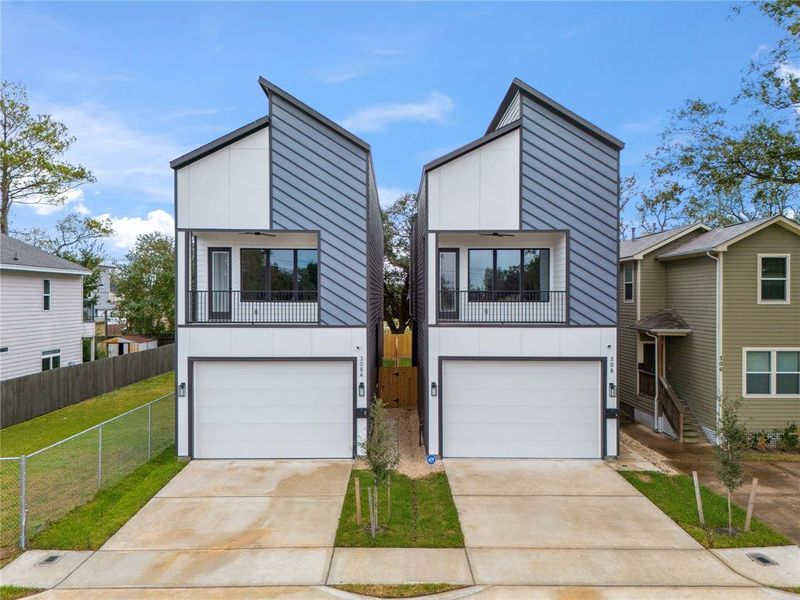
273	409
521	408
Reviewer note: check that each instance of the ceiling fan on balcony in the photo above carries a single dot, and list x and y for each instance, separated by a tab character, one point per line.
257	233
497	234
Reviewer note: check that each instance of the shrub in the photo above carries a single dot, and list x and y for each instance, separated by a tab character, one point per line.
788	438
759	440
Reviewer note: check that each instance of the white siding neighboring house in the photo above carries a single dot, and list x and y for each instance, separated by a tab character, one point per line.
41	310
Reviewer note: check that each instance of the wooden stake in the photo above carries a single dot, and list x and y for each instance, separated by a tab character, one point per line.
358	501
389	499
377	504
371	511
750	503
698	500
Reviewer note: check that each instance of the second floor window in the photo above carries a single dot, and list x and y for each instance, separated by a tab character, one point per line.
279	275
509	274
627	281
46	294
773	278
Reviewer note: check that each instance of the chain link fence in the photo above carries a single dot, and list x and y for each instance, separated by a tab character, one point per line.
38	488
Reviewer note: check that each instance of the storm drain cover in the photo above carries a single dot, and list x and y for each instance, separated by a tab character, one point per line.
48	560
762	559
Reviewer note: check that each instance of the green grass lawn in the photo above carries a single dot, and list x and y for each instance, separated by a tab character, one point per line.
37	433
772	456
405	590
423	515
12	592
674	494
89	526
389	362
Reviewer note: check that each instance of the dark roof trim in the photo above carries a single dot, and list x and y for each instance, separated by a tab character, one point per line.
547	102
221	142
490	137
271	88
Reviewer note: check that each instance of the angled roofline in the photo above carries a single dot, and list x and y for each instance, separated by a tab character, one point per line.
682	232
481	141
547	102
723	246
270	88
34	269
220	142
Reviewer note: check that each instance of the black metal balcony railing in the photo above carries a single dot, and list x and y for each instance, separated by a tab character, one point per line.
238	306
469	306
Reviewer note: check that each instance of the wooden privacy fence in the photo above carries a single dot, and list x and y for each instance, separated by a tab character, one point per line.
399	386
30	396
396	345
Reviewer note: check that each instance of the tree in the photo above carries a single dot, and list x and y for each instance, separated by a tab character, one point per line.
31	148
724	166
146	286
397	262
730	448
382	454
628	189
77	239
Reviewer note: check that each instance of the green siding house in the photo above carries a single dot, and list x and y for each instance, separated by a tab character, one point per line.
705	313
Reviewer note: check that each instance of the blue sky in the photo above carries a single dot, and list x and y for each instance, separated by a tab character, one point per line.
140	83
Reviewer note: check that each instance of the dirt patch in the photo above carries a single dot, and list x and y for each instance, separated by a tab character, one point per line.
413	460
650	455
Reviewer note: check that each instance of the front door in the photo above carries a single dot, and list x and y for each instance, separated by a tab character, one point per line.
219	276
448	285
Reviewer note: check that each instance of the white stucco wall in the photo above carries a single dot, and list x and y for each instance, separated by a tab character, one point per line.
479	190
228	188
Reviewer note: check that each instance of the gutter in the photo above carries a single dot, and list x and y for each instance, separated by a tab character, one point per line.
655	393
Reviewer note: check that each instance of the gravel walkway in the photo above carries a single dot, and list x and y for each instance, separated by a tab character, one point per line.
413	460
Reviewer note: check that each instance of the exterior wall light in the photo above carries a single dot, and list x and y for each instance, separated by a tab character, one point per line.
361	390
434	389
612	390
182	390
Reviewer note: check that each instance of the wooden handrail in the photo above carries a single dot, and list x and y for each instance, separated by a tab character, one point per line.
671	406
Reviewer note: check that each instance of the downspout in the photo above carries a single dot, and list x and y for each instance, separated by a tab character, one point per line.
718	331
655	393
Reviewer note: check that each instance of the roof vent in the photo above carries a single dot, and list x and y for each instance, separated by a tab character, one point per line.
15	256
50	559
762	559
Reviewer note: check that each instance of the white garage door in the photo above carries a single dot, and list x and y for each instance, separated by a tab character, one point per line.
527	409
273	409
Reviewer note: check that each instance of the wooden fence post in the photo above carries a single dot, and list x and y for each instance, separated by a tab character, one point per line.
358	501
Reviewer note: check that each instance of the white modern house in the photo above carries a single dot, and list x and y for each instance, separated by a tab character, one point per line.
515	251
279	288
41	310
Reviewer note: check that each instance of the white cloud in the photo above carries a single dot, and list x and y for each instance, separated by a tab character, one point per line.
434	108
126	229
118	153
787	70
73	199
645	125
387	195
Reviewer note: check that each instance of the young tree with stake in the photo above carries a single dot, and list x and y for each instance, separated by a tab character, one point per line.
731	445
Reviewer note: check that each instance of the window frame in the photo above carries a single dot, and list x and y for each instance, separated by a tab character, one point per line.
786	279
544	296
47	294
49	355
295	292
773	373
626	283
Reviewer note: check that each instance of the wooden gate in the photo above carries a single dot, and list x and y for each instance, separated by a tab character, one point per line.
399	386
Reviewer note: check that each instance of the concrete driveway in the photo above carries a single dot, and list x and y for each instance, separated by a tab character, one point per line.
572	522
227	523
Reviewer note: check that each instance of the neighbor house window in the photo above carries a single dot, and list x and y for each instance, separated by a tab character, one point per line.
772	372
46	294
51	359
627	281
509	274
278	274
773	278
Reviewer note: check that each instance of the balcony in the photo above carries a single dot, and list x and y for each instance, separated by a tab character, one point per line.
253	307
463	306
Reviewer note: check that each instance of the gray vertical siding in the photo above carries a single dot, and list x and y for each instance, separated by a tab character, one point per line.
319	181
570	181
375	281
419	303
